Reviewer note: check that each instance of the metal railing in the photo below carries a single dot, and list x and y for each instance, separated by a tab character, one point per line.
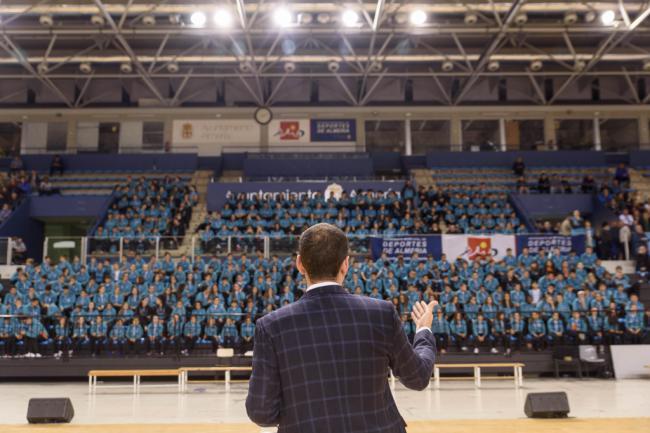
6	251
119	249
123	248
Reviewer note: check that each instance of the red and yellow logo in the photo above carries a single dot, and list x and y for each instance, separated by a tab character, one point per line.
478	248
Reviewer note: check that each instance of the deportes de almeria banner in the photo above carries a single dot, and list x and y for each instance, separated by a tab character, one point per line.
472	247
333	130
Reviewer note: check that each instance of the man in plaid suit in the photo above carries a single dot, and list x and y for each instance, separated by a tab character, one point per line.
321	364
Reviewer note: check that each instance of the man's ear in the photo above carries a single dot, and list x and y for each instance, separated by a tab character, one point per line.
300	266
345	266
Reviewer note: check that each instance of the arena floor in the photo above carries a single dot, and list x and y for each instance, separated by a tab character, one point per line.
596	406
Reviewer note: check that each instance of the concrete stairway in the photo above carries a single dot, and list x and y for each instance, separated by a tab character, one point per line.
201	179
422	177
103	183
640	183
231	176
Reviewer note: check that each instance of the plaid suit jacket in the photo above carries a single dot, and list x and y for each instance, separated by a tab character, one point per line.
321	365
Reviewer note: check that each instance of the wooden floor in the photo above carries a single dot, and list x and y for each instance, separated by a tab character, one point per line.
570	425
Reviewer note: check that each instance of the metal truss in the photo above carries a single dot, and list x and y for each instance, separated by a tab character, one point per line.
448	53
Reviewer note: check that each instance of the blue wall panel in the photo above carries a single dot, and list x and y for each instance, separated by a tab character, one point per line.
501	159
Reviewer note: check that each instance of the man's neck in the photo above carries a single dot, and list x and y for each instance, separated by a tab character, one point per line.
322	283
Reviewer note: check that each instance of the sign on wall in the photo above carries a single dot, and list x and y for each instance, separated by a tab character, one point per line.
333	130
470	247
218	131
406	246
289	131
548	242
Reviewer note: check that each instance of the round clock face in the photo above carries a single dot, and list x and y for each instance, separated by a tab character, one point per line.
263	115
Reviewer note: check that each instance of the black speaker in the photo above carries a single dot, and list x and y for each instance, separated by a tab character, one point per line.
547	405
49	410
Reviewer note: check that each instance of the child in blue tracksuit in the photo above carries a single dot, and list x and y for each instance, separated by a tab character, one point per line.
117	336
500	335
134	335
536	332
155	331
7	331
79	334
596	327
480	332
555	327
229	336
191	332
577	328
211	333
634	325
98	332
458	328
440	329
174	335
34	332
247	334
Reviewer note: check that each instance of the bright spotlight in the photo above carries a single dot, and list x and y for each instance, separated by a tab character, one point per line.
350	18
198	19
282	17
222	18
418	17
608	17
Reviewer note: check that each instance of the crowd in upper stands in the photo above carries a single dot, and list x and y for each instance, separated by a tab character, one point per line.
177	307
432	210
144	208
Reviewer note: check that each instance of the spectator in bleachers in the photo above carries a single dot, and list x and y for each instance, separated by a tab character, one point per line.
56	165
16	165
634	325
45	187
518	167
622	175
62	338
18	250
5	212
588	185
544	184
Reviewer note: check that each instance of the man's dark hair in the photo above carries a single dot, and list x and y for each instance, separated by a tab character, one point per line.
322	248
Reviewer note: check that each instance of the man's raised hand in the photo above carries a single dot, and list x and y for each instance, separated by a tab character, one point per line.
422	314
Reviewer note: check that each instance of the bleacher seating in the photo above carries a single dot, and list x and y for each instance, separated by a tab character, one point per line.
192	306
146	207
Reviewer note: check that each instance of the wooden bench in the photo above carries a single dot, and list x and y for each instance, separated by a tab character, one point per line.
184	371
517	373
136	374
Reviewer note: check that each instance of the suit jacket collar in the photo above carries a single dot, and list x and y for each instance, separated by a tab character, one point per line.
326	290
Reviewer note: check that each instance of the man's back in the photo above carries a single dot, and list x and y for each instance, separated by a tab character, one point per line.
321	364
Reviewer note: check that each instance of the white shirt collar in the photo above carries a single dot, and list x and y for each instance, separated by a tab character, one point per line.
322	284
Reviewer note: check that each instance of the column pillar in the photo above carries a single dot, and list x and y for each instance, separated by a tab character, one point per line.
644	132
408	144
502	134
456	134
549	132
361	134
597	143
71	140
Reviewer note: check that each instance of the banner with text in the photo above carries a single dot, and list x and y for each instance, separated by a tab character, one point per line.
406	246
471	247
566	244
219	132
333	130
289	131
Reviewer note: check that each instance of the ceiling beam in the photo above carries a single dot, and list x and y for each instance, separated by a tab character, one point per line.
494	45
7	44
605	47
379	10
144	74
